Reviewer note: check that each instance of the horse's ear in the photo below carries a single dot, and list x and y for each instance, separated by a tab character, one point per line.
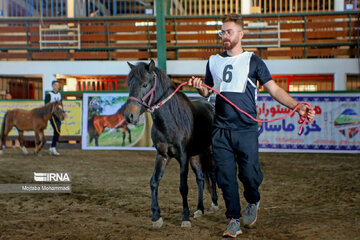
151	66
132	67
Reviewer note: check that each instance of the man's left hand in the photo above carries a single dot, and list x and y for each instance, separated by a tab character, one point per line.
306	112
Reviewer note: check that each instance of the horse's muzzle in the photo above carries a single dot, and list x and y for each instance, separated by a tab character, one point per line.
132	113
129	118
63	116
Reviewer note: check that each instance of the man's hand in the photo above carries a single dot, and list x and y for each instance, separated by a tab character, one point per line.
306	112
196	82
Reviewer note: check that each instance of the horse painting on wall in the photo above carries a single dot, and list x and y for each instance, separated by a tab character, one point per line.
105	124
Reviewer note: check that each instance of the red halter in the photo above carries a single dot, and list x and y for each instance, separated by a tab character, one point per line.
150	94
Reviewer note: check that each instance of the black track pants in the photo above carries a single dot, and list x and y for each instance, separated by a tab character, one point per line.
56	135
237	149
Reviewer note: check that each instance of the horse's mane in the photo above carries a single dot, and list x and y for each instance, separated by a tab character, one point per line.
44	110
142	69
181	114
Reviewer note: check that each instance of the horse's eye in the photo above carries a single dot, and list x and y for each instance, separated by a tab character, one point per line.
144	85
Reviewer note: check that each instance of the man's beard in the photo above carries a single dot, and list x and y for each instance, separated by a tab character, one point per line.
228	45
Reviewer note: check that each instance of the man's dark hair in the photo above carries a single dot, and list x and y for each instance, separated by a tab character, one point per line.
55	81
234	17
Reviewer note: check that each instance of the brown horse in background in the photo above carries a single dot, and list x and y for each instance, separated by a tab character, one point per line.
97	124
35	119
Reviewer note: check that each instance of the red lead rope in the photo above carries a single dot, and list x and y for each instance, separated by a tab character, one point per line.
301	121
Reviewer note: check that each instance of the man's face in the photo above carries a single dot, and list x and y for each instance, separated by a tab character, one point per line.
56	86
232	35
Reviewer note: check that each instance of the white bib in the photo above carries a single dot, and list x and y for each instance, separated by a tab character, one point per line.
55	96
230	74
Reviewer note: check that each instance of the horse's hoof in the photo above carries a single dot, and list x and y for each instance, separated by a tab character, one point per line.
198	213
24	150
213	208
186	224
158	223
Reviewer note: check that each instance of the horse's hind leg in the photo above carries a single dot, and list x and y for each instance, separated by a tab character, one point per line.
4	132
21	141
37	142
184	189
160	164
196	167
93	135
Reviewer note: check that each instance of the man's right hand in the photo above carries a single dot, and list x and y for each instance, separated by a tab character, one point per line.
196	82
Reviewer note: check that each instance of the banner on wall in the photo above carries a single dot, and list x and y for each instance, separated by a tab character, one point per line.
105	127
335	129
71	126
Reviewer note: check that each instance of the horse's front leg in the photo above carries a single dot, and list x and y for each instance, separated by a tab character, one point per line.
196	167
96	140
37	141
124	136
42	141
159	170
128	130
184	189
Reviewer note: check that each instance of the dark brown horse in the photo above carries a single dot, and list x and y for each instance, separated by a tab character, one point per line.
97	124
35	119
181	129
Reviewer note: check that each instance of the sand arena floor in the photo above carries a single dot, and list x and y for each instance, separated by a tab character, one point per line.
304	196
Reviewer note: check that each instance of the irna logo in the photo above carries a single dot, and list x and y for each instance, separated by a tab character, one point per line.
51	177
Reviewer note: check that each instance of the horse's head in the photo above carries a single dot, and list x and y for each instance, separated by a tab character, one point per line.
58	110
142	81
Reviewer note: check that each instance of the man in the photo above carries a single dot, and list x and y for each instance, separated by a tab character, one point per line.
235	73
54	96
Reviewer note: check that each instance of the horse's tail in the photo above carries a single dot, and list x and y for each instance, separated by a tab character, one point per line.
208	169
3	129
